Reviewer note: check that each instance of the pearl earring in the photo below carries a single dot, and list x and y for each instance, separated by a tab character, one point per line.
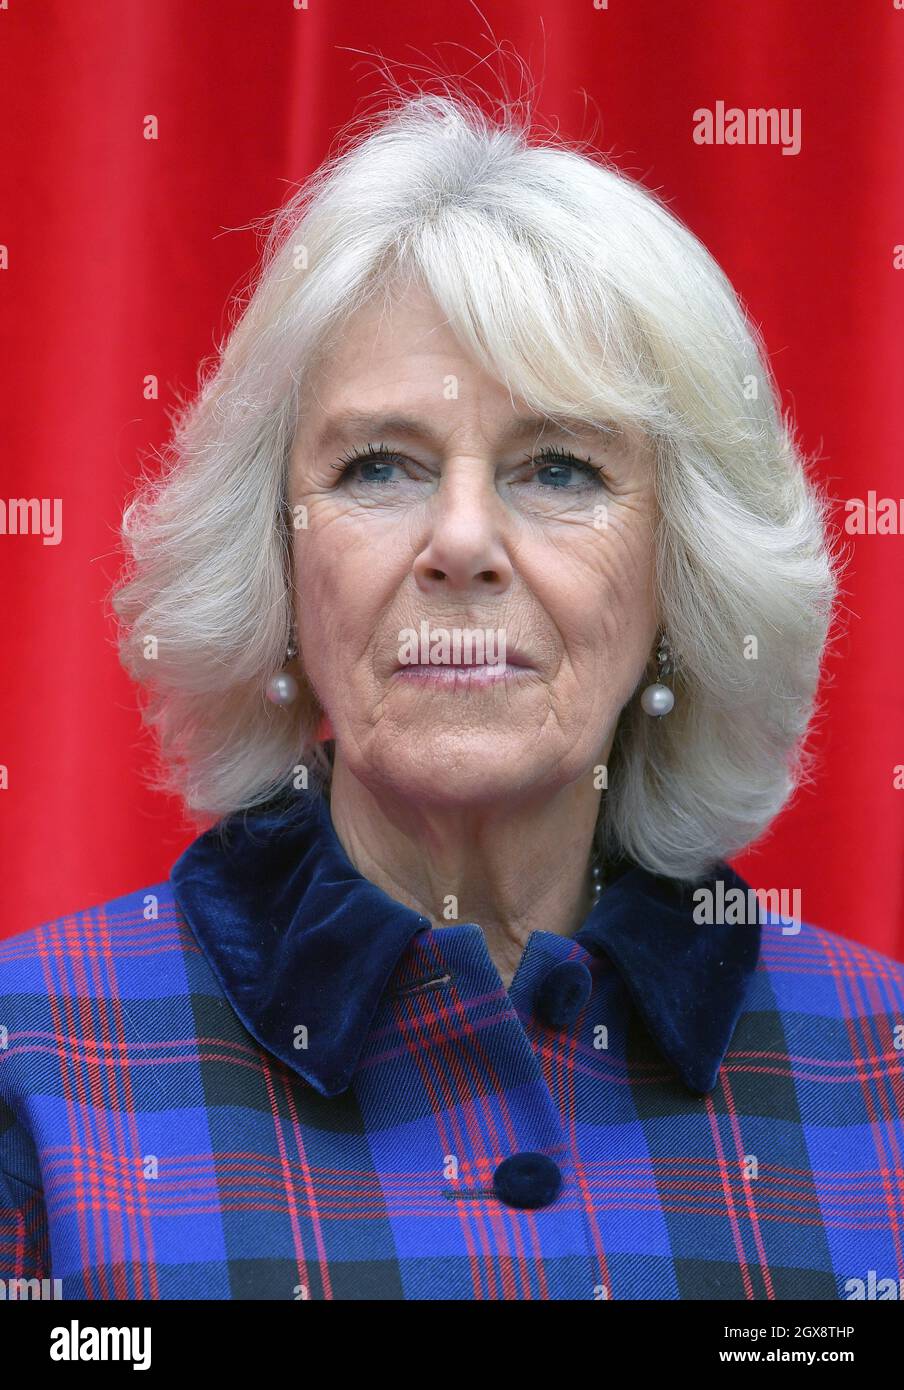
658	699
282	688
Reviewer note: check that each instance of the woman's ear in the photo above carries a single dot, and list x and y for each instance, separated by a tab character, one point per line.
311	711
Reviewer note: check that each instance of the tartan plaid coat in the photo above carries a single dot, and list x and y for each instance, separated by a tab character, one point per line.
266	1079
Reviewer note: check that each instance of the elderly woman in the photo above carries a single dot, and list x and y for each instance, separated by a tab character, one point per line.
481	608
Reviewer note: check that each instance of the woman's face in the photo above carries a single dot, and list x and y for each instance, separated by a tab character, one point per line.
446	521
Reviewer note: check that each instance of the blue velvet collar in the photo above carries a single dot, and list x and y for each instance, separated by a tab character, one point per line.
296	936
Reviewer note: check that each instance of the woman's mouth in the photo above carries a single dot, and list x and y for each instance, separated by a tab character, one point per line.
467	675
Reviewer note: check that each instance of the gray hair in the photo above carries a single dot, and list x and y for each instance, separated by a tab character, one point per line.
576	287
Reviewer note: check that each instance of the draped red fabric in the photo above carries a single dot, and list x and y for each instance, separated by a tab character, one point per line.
120	253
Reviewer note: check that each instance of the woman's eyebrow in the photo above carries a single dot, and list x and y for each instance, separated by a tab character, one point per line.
350	424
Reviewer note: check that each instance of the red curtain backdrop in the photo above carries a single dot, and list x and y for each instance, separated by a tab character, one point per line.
121	253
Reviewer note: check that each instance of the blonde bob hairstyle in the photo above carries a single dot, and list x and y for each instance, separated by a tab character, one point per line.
583	294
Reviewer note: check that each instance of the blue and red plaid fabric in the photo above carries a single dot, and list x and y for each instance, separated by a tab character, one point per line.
152	1148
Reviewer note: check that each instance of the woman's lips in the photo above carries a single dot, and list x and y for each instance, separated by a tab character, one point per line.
466	676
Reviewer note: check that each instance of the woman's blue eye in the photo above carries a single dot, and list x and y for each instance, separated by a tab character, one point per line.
561	473
376	470
371	464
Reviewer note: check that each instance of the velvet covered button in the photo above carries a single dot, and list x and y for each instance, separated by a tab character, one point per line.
563	993
527	1180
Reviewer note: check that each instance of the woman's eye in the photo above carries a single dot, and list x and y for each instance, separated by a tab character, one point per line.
376	470
564	471
370	465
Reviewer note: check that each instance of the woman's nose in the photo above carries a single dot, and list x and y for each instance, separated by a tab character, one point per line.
464	548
